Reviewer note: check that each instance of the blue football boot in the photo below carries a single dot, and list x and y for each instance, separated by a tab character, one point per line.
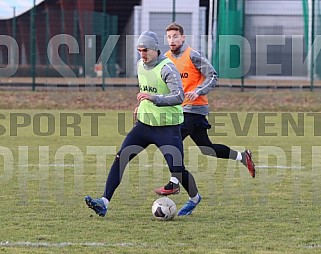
97	205
189	207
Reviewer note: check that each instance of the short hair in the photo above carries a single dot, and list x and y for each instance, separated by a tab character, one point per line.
176	27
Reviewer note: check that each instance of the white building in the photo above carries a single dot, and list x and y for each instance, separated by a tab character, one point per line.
156	16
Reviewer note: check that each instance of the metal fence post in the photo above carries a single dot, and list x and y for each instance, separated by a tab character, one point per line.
103	40
14	29
32	45
312	49
174	11
14	23
47	41
243	34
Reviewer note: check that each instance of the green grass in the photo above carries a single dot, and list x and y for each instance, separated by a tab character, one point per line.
43	210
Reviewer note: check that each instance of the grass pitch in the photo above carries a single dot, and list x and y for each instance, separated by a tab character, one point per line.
48	165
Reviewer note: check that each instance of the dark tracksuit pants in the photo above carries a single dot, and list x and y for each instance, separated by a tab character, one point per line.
196	126
168	139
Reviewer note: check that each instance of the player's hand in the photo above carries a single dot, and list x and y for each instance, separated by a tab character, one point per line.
192	96
144	96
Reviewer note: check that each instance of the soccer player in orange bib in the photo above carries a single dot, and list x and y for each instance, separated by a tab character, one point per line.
199	78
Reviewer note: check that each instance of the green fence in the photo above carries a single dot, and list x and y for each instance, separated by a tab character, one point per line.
239	25
73	33
252	20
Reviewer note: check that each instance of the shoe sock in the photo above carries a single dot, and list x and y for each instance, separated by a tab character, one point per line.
239	156
106	201
174	180
195	199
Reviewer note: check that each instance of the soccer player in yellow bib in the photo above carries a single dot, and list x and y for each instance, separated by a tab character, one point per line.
199	78
159	116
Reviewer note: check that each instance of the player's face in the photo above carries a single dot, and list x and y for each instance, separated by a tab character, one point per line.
174	39
147	55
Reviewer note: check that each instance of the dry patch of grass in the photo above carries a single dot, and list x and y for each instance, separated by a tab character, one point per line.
125	98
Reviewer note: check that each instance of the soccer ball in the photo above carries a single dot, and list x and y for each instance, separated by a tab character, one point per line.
164	209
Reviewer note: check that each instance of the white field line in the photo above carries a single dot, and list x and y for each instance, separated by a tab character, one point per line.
160	165
68	244
280	166
72	165
50	165
257	166
312	246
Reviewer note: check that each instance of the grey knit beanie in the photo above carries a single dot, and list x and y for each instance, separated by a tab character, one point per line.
149	40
